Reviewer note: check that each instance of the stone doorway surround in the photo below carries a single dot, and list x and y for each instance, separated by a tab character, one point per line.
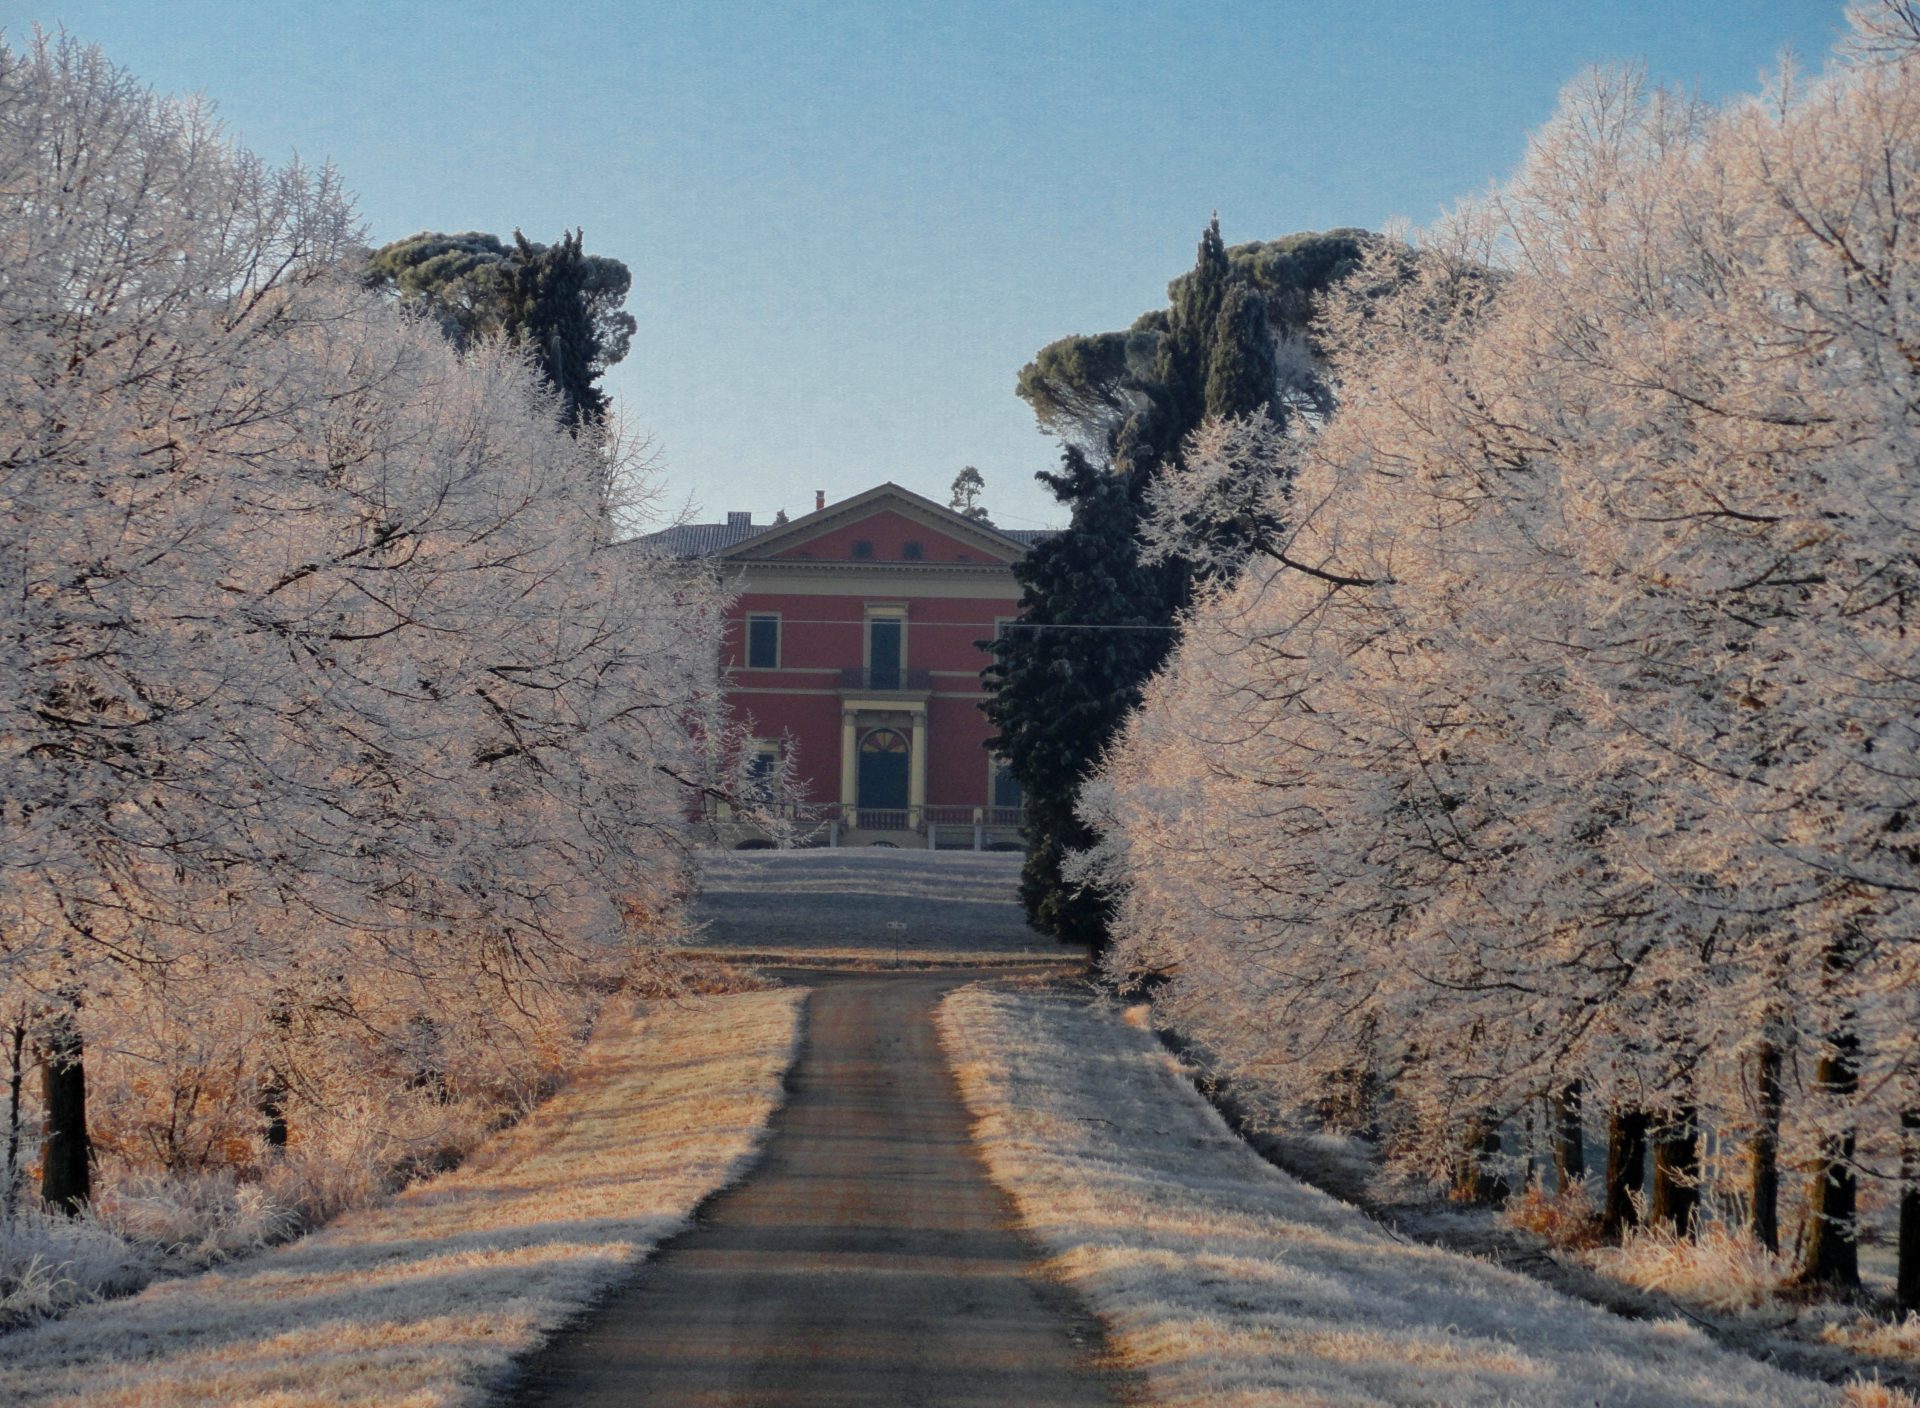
858	718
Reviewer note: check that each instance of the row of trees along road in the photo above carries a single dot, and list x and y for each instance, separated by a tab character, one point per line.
339	751
1096	620
1554	765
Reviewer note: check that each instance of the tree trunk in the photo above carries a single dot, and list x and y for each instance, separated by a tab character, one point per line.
1676	1171
1490	1184
17	1072
273	1090
66	1158
1763	1187
1830	1255
1569	1138
1466	1167
1626	1168
1477	1177
273	1112
1907	1291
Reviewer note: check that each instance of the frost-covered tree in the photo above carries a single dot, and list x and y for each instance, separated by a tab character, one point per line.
1557	750
1126	404
340	750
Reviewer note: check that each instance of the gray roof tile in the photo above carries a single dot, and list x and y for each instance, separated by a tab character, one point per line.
700	539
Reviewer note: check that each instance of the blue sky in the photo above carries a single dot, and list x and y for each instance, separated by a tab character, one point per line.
850	224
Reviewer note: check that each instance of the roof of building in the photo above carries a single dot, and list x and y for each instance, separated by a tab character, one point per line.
701	539
712	539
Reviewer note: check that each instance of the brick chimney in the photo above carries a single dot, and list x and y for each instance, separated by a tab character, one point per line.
819	499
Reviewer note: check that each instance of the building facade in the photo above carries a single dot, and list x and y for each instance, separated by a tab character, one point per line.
854	647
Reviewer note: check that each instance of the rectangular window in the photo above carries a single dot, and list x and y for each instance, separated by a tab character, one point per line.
765	759
1006	792
763	642
885	649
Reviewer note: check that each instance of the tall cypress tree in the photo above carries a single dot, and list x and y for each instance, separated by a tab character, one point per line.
1094	622
548	309
1241	368
1193	322
1092	628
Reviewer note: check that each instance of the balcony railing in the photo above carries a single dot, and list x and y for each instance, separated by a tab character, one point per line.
944	827
886	681
973	816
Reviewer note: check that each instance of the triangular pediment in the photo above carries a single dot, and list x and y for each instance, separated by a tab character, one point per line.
883	524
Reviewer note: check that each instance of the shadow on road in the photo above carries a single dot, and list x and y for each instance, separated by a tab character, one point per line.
868	1259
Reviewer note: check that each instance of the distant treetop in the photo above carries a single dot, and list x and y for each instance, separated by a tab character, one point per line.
1085	387
968	485
563	304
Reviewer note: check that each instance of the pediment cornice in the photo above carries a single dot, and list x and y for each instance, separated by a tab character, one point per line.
763	548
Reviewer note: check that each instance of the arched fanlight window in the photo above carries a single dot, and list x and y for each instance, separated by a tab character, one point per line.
883	740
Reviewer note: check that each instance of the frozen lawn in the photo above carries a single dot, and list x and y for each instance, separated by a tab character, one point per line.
1224	1281
427	1299
869	905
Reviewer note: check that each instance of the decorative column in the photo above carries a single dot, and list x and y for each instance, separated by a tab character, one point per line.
917	773
849	765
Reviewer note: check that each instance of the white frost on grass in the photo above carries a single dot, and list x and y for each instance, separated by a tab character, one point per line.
427	1299
1224	1281
140	1227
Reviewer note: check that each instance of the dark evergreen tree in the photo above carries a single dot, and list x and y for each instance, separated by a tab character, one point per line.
549	310
1092	628
561	303
1241	370
1086	387
1193	322
1058	696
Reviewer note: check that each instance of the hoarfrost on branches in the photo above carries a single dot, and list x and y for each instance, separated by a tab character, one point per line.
344	755
1566	743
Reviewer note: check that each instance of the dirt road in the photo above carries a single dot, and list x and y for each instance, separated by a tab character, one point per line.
867	1261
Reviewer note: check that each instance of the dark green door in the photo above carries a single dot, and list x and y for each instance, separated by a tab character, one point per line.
883	770
883	654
